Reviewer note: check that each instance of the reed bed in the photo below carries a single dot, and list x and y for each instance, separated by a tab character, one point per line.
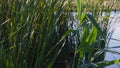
35	34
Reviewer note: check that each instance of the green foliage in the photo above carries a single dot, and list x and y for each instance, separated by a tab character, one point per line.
35	34
28	33
92	40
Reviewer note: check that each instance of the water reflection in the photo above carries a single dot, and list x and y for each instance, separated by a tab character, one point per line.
113	35
114	30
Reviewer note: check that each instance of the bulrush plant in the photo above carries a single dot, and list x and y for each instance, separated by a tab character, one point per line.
35	34
28	32
90	49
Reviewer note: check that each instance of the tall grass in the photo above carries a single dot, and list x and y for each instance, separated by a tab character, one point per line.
93	36
28	36
35	34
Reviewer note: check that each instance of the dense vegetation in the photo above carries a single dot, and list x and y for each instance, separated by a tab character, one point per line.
35	34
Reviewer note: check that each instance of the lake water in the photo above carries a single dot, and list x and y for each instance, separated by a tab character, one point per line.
113	33
114	30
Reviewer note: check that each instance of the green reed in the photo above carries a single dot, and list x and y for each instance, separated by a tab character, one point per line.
35	34
93	36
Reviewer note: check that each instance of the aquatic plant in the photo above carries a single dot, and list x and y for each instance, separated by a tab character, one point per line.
35	34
